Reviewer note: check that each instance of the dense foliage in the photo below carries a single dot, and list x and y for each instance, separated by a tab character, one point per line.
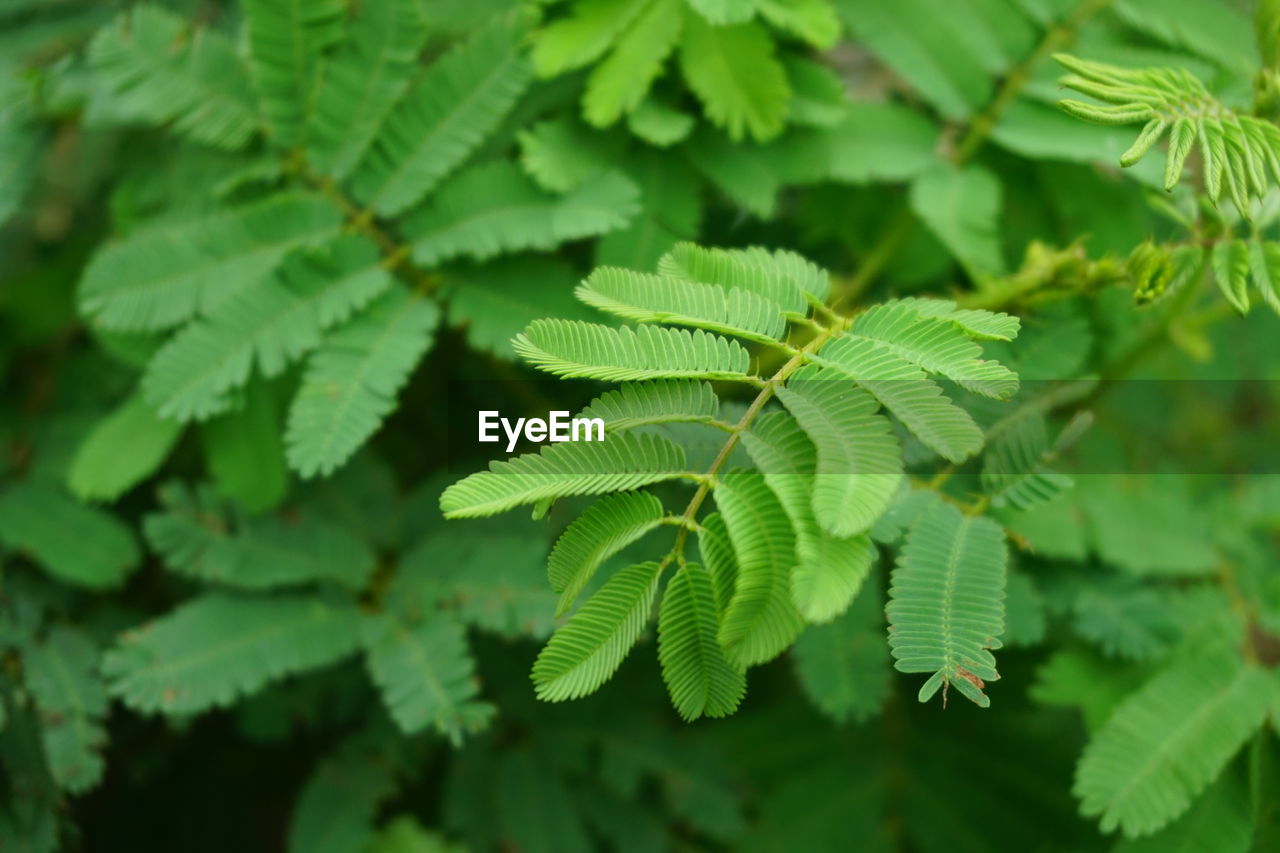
936	337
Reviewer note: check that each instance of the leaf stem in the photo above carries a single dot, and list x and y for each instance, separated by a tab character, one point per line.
736	431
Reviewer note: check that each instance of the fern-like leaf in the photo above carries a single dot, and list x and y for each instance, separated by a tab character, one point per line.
591	351
781	277
200	536
362	82
162	276
1015	468
352	380
622	462
937	346
1237	150
585	652
843	666
443	118
35	519
608	526
286	38
698	677
425	673
976	323
1164	745
734	72
217	648
123	449
651	298
161	71
718	558
946	602
662	401
62	676
908	393
760	620
859	463
1230	263
618	84
494	208
271	324
829	569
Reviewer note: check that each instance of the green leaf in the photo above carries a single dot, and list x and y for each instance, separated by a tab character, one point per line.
650	298
734	72
585	652
859	463
443	118
425	673
1164	745
718	558
976	323
747	175
782	277
217	648
938	346
829	569
818	95
869	143
1220	821
1221	34
622	462
286	39
244	451
1264	264
338	805
271	324
61	672
352	380
962	208
122	450
619	83
637	404
362	82
905	391
698	677
659	124
609	525
949	53
946	602
200	536
843	666
1127	620
161	276
1015	465
760	621
583	36
487	575
493	208
592	351
1230	260
721	12
493	302
35	519
161	71
815	21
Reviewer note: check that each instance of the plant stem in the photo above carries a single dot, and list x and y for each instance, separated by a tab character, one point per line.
735	433
975	136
